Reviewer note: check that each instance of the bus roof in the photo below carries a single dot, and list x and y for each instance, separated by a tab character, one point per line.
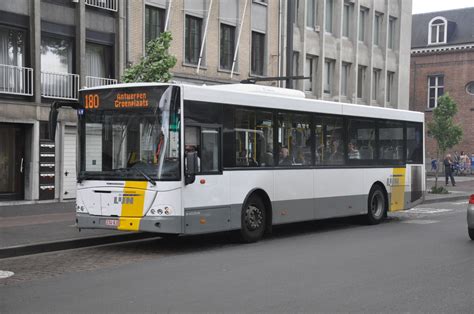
268	98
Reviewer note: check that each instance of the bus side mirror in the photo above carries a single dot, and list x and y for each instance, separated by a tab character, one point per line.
53	115
191	162
52	122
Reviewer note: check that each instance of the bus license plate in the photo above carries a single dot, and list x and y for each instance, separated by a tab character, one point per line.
112	222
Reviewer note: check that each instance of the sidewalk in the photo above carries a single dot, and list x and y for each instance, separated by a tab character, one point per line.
27	229
463	189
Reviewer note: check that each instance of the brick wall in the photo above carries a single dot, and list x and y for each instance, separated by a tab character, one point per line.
458	70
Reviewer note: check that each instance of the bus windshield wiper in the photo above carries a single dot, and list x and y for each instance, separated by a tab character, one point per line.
143	174
147	177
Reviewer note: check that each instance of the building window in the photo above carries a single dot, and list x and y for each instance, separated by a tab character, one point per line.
391	32
376	84
377	26
346	20
227	46
12	47
390	80
193	39
329	10
470	88
362	23
437	31
309	72
346	71
258	53
311	13
435	90
12	53
56	54
328	75
154	22
361	81
98	59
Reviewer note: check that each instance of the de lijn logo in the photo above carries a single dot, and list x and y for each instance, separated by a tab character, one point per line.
123	200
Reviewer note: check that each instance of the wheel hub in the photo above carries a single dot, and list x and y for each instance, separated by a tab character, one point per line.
253	217
376	205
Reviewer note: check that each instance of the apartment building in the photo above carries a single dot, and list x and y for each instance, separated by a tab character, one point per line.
48	50
355	51
214	41
442	61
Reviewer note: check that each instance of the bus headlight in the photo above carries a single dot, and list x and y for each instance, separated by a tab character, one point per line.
81	209
160	210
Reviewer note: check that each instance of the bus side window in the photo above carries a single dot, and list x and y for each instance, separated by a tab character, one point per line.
210	148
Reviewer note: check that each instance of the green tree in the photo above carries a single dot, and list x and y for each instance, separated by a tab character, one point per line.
155	65
443	129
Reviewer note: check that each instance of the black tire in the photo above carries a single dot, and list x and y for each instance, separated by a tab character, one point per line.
471	233
376	206
253	220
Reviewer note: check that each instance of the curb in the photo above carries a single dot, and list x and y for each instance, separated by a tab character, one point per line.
446	199
21	250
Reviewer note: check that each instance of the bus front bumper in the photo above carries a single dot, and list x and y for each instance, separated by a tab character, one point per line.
167	224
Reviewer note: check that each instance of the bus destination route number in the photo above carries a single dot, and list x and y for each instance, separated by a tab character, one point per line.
91	101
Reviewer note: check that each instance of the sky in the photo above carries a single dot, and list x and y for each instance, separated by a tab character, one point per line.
423	6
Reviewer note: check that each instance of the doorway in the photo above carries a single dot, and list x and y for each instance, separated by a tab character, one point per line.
12	161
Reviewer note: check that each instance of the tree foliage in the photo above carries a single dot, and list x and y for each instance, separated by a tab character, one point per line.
155	65
443	128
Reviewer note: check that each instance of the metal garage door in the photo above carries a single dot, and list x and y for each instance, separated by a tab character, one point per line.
69	164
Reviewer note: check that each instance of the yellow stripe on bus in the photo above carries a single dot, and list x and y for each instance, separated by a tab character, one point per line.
133	211
397	201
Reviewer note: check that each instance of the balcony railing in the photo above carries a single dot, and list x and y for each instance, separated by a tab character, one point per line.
92	81
103	4
59	85
16	80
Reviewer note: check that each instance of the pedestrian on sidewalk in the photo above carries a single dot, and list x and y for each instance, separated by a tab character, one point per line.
434	164
448	171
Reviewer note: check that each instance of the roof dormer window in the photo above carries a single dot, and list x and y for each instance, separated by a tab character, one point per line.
438	33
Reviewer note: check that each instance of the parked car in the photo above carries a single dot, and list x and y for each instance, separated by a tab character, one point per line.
470	217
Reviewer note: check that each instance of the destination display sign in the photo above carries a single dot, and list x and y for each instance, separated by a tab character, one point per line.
122	98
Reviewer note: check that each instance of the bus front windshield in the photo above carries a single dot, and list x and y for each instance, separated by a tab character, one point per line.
125	141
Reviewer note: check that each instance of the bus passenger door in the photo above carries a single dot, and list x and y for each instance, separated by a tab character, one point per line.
206	201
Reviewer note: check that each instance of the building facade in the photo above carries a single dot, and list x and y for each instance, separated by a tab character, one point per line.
214	41
442	61
352	50
48	50
355	51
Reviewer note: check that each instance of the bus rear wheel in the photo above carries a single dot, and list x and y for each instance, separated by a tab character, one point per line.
377	206
253	220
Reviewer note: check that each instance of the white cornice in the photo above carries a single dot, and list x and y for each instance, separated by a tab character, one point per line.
442	49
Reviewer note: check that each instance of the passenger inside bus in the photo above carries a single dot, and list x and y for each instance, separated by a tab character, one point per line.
193	148
285	159
353	152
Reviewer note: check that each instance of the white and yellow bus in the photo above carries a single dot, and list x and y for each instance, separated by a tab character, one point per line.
180	159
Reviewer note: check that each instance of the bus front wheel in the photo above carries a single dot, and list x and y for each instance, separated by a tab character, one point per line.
253	220
377	206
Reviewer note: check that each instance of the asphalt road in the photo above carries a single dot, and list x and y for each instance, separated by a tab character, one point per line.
418	261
